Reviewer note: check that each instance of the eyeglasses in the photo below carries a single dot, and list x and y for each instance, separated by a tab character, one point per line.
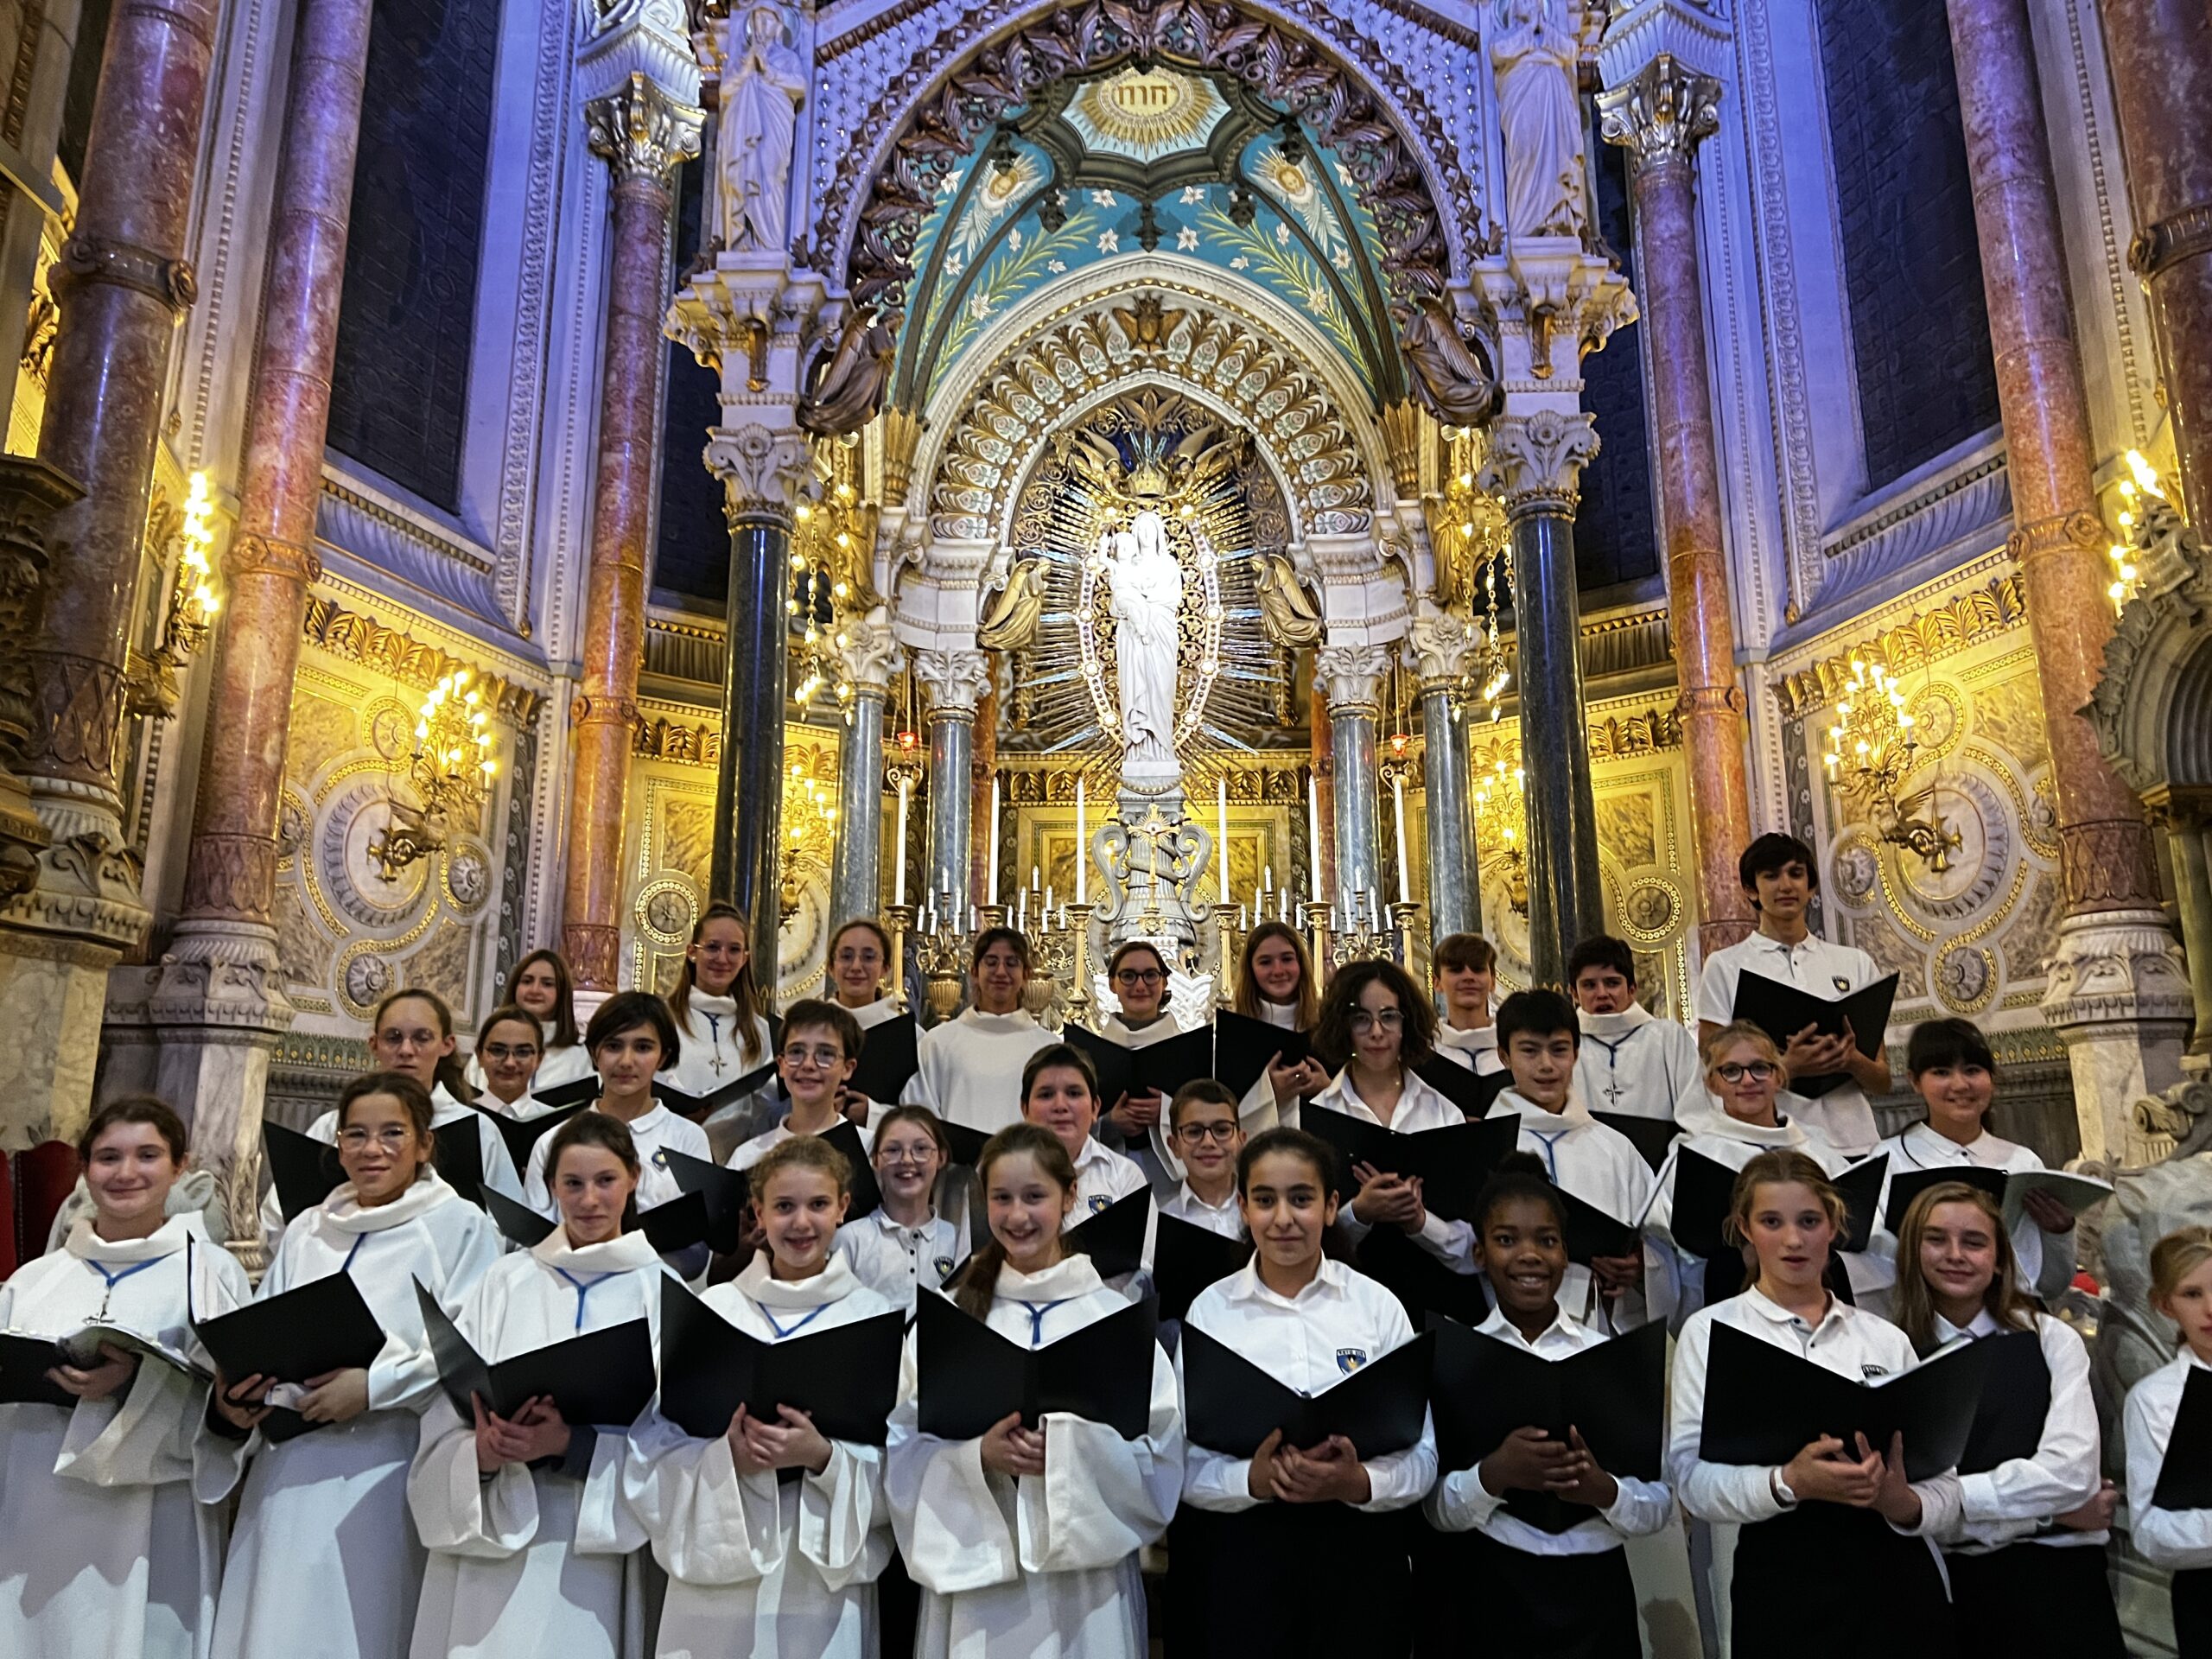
1367	1019
1138	977
822	1055
510	1051
1736	1070
892	1156
391	1138
1190	1133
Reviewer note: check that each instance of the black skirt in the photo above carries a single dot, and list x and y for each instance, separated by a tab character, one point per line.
2193	1613
1790	1590
1285	1580
1474	1594
2031	1597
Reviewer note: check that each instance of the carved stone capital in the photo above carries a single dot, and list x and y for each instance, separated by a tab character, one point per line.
1437	647
1661	113
2118	967
1350	678
956	681
86	889
1535	460
872	652
643	132
760	469
221	973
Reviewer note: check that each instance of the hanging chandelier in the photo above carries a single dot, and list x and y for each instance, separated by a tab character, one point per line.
450	770
1871	755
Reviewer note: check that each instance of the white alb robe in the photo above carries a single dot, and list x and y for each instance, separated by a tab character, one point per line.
325	1559
530	1561
1636	1064
1600	1166
104	1554
971	1069
556	1066
1039	1568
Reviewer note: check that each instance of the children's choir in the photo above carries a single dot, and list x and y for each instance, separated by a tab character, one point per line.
416	1505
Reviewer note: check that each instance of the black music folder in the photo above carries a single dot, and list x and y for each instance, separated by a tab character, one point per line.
845	1377
1242	1047
1592	1232
1764	1404
1705	1190
321	1326
515	1220
1652	1137
1159	1068
24	1362
972	1377
1781	1011
1474	1095
604	1377
1232	1405
303	1170
458	1154
723	1193
678	1224
2015	1400
1187	1258
578	1091
845	1135
889	1056
1114	1238
1452	1162
2185	1476
2077	1193
967	1145
522	1135
700	1107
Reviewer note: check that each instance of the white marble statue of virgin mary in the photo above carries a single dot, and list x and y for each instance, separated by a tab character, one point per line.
1148	594
1533	52
763	85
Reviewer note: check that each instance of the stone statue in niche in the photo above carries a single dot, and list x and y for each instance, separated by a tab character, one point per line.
848	391
1148	593
763	85
1533	49
1452	375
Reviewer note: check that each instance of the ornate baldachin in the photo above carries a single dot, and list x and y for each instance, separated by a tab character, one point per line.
1290	69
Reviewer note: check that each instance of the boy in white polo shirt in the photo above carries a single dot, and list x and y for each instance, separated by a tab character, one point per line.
1779	877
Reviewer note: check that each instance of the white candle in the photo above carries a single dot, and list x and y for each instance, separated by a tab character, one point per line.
1021	910
1313	832
1284	914
1048	901
991	857
1398	799
1036	879
1082	851
898	882
1221	832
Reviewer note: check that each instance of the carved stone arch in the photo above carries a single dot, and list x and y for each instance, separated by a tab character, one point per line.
1071	364
1302	54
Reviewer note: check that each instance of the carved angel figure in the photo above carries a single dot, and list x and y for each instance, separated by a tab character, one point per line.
763	85
850	388
1532	53
1012	621
1452	376
1284	611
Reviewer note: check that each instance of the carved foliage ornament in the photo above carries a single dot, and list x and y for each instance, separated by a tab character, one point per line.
642	132
761	470
1537	459
1290	70
1662	113
1920	640
364	639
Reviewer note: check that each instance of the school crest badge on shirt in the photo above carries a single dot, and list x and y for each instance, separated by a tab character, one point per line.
1841	982
942	1264
1351	1359
1100	1205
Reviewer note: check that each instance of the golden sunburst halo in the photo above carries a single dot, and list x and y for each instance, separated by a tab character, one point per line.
1146	114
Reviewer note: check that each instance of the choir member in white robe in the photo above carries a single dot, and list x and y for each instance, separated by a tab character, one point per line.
860	958
1319	1510
411	1032
1631	1061
1131	1125
104	1553
903	1246
722	1030
821	1047
1600	1166
510	1047
1955	1074
1779	876
1059	1092
773	1535
1466	966
541	987
1275	983
1025	1541
324	1559
533	1550
971	1067
2177	1540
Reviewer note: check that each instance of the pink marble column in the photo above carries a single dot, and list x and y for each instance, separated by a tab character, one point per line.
231	870
644	135
2160	53
2058	541
121	283
1661	116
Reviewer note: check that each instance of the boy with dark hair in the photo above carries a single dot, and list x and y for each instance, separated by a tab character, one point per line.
821	1044
1208	1138
1538	1035
1780	877
1631	1060
1465	967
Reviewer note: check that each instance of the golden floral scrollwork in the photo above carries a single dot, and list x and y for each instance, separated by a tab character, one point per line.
1926	637
390	651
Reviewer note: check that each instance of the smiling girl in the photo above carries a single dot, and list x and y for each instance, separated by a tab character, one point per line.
324	1559
2179	1540
904	1245
510	1047
1275	982
721	1018
1025	1542
104	1550
541	987
530	1551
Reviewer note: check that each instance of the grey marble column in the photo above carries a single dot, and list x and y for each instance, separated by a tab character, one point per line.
1437	649
1349	679
1535	464
955	681
856	867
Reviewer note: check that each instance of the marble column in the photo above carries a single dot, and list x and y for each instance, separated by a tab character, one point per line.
1437	649
1659	117
983	767
2117	1046
761	469
956	682
1323	760
2160	56
872	656
1535	464
1349	679
644	135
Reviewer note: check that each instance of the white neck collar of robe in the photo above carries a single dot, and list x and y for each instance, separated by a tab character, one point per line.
998	1024
1706	1116
166	1240
758	1283
343	1211
625	1253
1611	1026
1072	1275
1573	1114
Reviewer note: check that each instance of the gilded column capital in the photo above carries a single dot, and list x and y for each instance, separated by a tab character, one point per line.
872	653
1349	679
956	681
642	131
1437	647
1537	460
1661	113
760	469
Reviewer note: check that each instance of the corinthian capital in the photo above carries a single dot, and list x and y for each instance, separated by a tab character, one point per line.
1438	646
1537	460
871	653
642	131
955	680
760	469
1661	113
1350	678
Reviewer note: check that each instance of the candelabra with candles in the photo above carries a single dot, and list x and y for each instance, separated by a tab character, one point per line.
1358	935
1500	814
1874	733
940	954
451	770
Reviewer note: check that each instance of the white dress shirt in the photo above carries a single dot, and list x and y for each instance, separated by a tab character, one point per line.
750	1152
1103	1177
1226	1217
1636	1063
2016	1498
895	1260
1421	1106
2046	1259
2178	1540
1600	1166
1820	968
1339	1322
1847	1341
1460	1502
